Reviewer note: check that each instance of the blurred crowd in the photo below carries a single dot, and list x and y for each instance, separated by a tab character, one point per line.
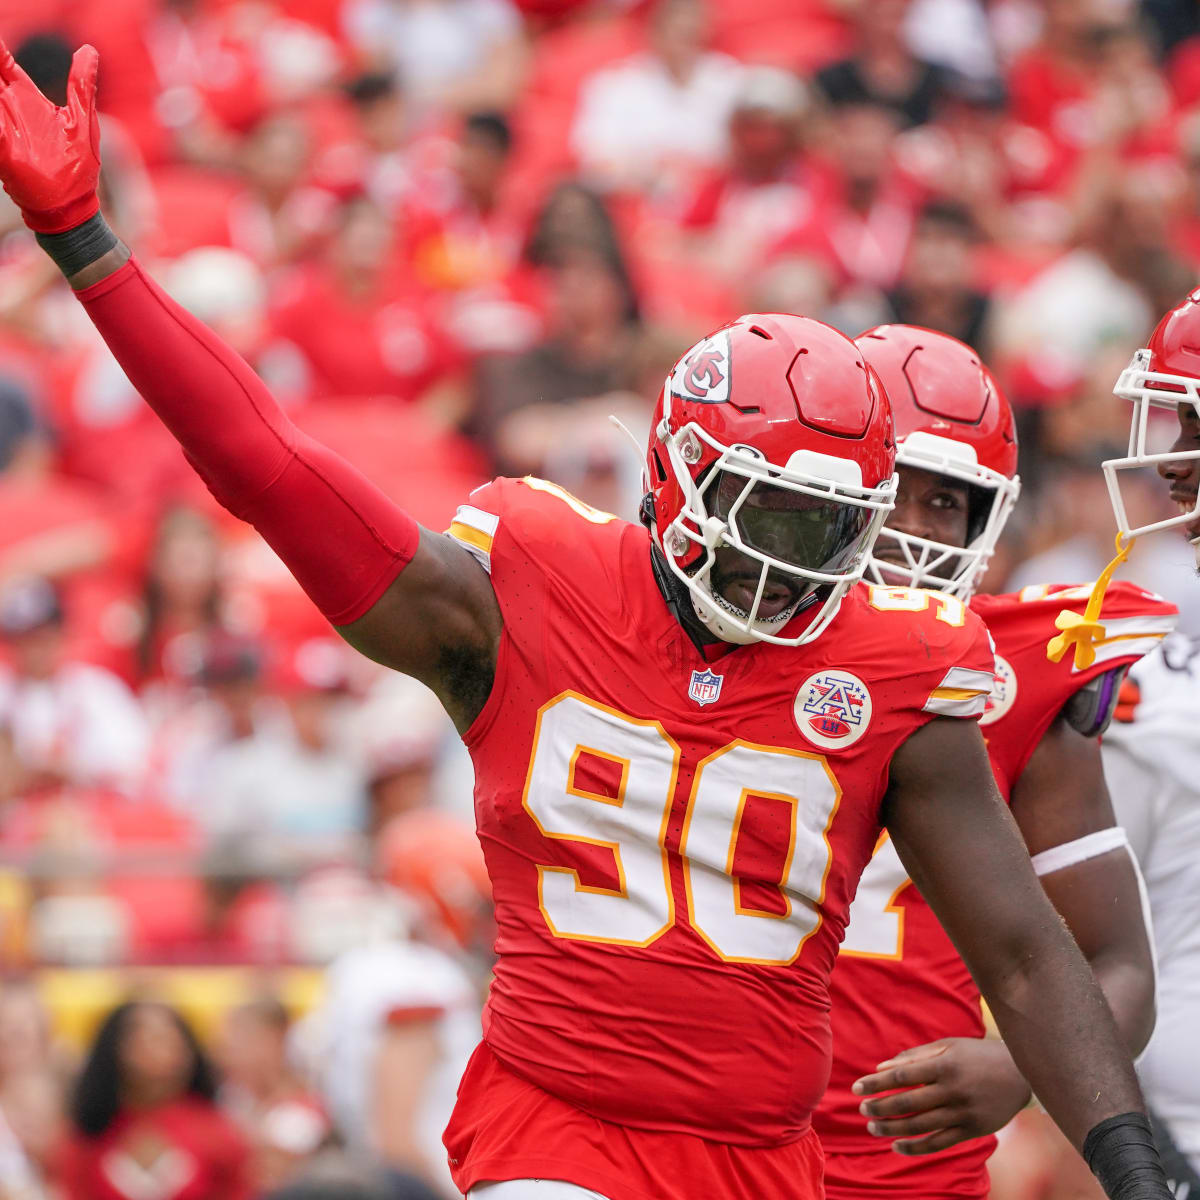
455	236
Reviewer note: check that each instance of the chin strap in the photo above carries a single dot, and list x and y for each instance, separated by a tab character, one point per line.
678	598
1085	631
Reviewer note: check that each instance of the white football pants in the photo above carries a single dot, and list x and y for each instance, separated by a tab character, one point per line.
532	1189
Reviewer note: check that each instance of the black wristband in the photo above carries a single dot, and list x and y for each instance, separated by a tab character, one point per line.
79	247
1122	1155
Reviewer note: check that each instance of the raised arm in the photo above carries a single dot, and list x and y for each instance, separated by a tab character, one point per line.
408	598
962	848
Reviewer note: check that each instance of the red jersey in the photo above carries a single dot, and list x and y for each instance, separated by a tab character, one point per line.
673	841
899	982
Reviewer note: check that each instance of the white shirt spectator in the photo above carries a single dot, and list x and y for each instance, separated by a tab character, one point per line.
1070	312
430	44
81	723
265	793
636	118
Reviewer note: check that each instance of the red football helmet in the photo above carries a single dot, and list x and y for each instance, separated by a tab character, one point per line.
774	437
952	419
1163	375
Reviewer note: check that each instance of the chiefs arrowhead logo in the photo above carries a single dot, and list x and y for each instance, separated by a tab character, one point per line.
704	372
703	375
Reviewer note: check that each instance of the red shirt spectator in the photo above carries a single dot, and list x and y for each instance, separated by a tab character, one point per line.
144	1117
359	330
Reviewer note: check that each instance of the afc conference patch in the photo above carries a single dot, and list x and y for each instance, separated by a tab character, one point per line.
833	709
705	687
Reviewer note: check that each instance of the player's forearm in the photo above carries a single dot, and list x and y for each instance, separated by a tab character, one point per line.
1129	989
1059	1029
342	539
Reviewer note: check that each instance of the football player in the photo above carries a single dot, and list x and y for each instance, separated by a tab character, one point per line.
685	739
906	1014
1152	760
400	1019
1153	755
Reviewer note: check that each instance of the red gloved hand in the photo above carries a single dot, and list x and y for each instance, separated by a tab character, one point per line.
50	156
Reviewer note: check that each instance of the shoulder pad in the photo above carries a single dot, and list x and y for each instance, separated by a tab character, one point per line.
1091	708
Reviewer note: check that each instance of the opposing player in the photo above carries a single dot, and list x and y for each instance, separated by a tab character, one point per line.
906	1013
1153	755
1152	760
685	740
400	1019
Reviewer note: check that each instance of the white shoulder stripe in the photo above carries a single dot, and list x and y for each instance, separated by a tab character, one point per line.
485	522
965	677
475	530
945	706
1144	626
1127	646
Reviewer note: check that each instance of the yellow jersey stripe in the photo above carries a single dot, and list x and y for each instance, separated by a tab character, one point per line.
471	536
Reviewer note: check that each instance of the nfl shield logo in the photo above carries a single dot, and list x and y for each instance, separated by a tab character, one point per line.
705	687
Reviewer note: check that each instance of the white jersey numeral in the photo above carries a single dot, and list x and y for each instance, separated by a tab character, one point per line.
777	804
876	925
630	824
950	609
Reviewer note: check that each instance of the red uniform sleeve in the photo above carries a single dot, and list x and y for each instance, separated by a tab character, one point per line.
341	538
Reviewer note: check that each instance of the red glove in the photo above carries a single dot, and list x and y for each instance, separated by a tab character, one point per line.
50	156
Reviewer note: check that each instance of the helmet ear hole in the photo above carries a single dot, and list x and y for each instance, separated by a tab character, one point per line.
660	472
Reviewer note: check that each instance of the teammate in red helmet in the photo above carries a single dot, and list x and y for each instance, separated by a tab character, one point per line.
675	793
906	1014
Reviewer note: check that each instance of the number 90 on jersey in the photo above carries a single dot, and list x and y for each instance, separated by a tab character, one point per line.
603	779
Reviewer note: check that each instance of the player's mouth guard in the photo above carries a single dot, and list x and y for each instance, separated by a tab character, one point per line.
1086	631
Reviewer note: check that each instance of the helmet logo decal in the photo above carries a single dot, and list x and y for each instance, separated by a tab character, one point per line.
703	375
833	709
704	372
705	687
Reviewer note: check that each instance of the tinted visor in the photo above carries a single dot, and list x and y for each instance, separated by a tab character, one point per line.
804	531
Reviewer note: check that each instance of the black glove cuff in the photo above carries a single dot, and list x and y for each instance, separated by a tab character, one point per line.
79	247
1121	1153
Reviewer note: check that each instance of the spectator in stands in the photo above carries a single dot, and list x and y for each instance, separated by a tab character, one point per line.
71	723
1104	290
181	595
1090	78
883	69
355	318
263	773
524	401
385	126
766	187
457	54
144	1119
864	229
936	287
470	235
283	1123
648	118
278	217
19	434
31	1095
573	214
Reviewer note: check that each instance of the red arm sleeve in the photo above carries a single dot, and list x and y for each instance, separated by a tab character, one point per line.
338	534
